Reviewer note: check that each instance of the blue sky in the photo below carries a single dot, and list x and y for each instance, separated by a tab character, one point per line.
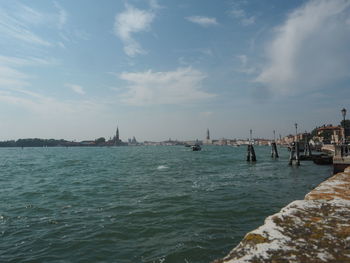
171	69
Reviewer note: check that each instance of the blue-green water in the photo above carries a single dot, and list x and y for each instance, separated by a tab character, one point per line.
139	204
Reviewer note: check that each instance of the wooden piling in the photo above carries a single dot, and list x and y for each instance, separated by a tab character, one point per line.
307	148
295	149
250	150
294	154
274	153
291	155
248	153
252	153
297	156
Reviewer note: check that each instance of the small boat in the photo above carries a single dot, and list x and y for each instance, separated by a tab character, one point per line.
196	147
323	159
307	157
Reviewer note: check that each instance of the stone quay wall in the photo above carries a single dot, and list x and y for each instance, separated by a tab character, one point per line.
316	229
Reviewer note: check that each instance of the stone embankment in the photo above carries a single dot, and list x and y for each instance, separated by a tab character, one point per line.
316	229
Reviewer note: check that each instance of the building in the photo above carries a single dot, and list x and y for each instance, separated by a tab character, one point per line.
87	143
133	141
116	141
330	134
286	140
301	137
207	139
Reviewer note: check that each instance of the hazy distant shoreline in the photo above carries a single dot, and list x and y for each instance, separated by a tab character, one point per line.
101	142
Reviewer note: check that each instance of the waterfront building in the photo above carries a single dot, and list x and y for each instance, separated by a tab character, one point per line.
133	141
287	140
222	141
263	142
301	137
330	134
242	142
87	143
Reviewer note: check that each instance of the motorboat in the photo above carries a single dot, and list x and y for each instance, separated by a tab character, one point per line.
196	147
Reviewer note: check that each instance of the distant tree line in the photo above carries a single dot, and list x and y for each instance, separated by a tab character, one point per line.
35	142
100	140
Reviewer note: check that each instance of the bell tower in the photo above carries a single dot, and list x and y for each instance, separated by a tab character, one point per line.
117	135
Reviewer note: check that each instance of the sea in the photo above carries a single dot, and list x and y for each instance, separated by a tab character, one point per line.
140	204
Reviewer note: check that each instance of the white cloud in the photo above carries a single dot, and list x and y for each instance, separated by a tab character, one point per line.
173	87
241	15
154	5
62	15
14	28
202	20
61	45
11	78
248	21
76	88
29	15
131	21
46	106
238	13
29	61
20	21
310	50
245	67
11	75
243	59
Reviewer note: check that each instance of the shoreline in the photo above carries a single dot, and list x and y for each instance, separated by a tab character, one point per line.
315	229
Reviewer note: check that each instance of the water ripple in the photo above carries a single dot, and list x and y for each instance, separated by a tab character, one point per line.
140	204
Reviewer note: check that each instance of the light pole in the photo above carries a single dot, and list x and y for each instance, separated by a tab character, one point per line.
343	112
296	131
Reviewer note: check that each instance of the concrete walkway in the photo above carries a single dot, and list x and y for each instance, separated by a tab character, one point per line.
316	229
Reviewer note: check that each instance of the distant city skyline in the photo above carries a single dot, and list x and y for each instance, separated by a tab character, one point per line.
70	69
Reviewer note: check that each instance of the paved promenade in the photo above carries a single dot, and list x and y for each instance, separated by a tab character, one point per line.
316	229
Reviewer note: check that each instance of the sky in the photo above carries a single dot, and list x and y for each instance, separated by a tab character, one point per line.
162	69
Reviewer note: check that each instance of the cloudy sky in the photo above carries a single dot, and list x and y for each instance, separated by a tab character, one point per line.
164	69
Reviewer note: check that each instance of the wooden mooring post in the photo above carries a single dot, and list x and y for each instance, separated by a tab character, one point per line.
251	157
307	148
274	153
294	154
295	149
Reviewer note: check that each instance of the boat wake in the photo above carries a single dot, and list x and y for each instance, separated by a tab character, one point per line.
162	167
